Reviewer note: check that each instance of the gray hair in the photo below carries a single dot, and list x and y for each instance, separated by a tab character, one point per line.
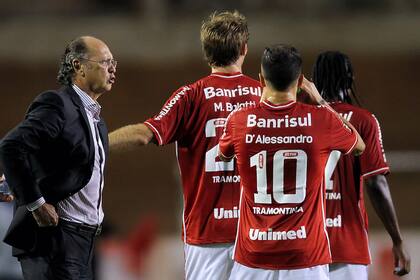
76	49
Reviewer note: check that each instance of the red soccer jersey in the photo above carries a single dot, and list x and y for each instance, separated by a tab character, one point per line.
347	222
194	117
281	152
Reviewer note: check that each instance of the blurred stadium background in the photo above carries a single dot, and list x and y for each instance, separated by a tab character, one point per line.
156	43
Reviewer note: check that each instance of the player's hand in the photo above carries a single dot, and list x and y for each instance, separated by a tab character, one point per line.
45	215
311	90
401	260
3	196
6	197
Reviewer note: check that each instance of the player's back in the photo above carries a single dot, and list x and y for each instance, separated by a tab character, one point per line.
281	152
346	215
194	117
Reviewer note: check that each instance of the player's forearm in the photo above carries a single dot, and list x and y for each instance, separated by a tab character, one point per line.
130	136
380	196
224	158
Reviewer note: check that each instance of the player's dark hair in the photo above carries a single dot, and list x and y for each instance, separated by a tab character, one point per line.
333	77
76	49
281	66
223	37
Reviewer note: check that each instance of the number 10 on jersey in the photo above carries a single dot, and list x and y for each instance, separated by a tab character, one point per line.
259	160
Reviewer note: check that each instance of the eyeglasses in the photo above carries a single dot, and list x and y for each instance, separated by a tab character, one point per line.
105	62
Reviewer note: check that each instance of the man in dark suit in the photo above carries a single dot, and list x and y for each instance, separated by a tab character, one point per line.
54	162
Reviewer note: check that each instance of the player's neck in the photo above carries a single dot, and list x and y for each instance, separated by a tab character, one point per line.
230	69
278	97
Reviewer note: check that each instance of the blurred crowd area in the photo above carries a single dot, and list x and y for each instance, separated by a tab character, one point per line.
178	7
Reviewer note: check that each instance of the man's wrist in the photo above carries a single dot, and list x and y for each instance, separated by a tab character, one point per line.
36	204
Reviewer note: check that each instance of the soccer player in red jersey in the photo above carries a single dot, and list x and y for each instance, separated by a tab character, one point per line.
194	117
281	147
344	177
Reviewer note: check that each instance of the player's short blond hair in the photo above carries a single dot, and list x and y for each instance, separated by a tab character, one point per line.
223	37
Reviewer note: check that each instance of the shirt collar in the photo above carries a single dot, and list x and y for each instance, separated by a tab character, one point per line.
88	103
226	75
270	106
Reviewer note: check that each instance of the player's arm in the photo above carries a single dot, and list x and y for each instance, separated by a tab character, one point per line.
226	148
130	136
226	152
380	196
316	98
224	158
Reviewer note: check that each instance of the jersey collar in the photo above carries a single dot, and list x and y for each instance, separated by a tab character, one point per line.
270	106
226	75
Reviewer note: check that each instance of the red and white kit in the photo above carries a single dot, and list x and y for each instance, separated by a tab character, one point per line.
194	117
281	153
347	221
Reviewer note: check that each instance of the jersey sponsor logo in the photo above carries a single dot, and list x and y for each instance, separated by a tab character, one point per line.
277	210
286	121
264	139
333	222
257	234
165	110
226	179
211	92
229	107
222	213
333	196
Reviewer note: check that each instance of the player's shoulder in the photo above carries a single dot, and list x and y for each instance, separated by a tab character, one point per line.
358	115
308	107
244	79
250	80
316	109
342	107
196	86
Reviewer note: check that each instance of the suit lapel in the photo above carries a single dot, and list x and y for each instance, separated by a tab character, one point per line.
79	105
103	133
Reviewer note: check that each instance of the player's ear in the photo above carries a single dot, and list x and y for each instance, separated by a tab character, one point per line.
262	80
244	49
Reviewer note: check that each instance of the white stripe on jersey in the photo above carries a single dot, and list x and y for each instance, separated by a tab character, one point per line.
352	146
237	226
227	77
375	171
323	217
280	105
380	137
157	132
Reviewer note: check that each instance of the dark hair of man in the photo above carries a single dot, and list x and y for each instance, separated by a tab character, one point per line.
223	35
76	49
333	77
281	65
